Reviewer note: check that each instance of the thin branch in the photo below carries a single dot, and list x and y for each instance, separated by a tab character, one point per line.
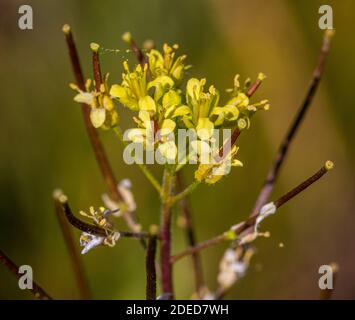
304	185
200	246
184	193
191	237
117	196
151	287
79	271
252	89
96	66
142	59
96	144
90	228
36	290
284	147
248	225
224	150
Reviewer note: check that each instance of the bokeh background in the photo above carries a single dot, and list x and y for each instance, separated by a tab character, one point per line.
44	143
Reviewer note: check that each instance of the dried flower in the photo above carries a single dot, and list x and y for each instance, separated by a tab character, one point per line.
233	265
124	187
89	241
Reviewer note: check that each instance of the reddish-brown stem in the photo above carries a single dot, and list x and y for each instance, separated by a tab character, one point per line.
75	259
141	57
200	246
36	290
165	237
116	195
90	228
96	144
224	150
151	287
190	234
97	70
253	88
285	144
304	185
139	53
248	225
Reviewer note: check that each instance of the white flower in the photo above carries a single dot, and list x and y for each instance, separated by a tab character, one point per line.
233	266
124	188
265	211
208	296
89	241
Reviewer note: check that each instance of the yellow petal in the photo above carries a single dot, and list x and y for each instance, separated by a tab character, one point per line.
136	135
204	128
181	111
97	117
217	111
167	127
193	88
147	103
144	116
232	111
108	103
187	122
118	91
237	163
171	98
169	111
168	150
164	81
84	97
200	147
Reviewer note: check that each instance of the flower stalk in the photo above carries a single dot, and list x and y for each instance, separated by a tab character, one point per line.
165	234
151	287
78	267
90	228
191	237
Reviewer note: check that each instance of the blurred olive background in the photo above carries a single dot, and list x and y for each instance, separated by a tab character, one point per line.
44	144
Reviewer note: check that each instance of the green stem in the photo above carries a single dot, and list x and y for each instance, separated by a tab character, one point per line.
142	167
189	189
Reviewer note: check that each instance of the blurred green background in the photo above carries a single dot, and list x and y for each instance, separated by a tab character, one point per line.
44	143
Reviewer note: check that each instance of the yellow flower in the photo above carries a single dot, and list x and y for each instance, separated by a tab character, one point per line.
213	172
166	64
200	105
103	113
132	88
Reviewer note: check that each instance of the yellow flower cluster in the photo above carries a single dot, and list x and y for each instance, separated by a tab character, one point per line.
165	101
